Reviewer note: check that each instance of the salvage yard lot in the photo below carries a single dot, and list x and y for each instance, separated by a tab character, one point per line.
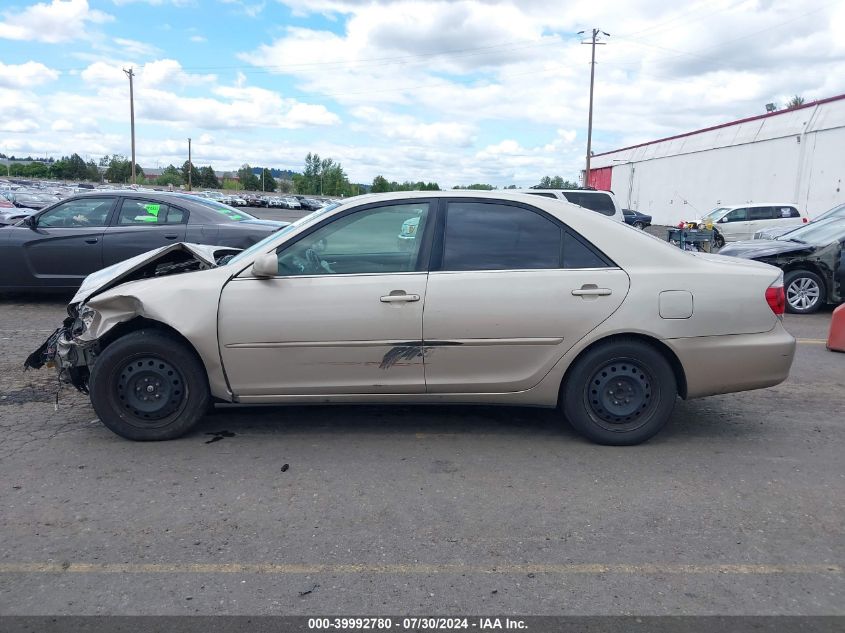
735	508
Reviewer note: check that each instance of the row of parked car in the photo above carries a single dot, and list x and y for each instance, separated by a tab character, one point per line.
255	200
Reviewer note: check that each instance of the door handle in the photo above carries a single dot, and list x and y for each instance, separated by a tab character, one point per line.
591	290
170	236
398	296
92	240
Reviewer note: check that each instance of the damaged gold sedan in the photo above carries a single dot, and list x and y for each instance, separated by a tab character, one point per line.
425	297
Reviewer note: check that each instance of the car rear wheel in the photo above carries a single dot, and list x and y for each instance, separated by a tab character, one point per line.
147	386
639	225
805	292
619	393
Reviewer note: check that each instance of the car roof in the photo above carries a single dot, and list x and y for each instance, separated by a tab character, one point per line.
749	205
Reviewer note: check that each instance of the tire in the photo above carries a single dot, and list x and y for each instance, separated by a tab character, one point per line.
639	225
628	370
147	386
718	239
805	292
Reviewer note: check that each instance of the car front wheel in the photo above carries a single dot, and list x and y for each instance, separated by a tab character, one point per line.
805	292
148	386
619	393
639	225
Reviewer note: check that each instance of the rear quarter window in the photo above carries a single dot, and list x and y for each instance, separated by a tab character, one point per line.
595	201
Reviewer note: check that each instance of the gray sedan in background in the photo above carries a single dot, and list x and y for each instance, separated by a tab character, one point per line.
56	248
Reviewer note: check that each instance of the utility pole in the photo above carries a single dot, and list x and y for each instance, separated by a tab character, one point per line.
131	74
190	164
593	42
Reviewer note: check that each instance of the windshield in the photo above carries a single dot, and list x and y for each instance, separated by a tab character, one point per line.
258	246
819	233
835	212
715	214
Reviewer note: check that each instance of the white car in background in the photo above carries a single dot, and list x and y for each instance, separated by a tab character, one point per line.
597	200
771	233
740	221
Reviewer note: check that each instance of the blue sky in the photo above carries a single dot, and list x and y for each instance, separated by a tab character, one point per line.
450	91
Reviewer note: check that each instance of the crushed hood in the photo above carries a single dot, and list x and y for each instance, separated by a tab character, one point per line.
752	249
167	260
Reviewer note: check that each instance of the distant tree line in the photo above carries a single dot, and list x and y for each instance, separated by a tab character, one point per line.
381	185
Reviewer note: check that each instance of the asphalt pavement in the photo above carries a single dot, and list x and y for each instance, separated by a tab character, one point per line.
735	508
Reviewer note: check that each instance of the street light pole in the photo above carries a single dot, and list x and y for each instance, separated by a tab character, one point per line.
190	164
131	74
593	43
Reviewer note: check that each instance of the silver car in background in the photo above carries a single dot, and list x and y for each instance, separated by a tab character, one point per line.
491	298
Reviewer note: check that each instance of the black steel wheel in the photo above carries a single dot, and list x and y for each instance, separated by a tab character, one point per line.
620	392
619	395
149	386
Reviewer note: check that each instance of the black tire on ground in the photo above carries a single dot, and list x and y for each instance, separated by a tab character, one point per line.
805	291
619	393
148	386
639	225
718	239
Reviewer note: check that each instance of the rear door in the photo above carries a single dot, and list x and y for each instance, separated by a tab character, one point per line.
66	244
142	225
510	291
759	218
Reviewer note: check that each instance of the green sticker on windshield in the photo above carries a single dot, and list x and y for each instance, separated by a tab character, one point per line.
153	209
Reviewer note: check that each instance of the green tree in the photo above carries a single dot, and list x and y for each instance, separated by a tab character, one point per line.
170	175
380	185
476	187
269	183
195	174
208	179
249	181
555	182
120	169
795	102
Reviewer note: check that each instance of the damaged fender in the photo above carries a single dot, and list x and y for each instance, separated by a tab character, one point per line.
116	295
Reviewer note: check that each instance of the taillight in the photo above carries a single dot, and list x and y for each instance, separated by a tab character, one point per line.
776	297
805	219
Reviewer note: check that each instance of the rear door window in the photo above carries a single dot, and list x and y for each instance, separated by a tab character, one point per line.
595	201
498	236
761	213
147	212
782	213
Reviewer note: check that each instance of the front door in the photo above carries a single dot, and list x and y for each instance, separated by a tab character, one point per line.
735	226
514	290
66	244
344	314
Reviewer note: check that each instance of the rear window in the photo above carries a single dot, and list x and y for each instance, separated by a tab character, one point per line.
595	201
786	212
761	213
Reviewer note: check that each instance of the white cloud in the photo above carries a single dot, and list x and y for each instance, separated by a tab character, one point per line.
26	75
59	21
136	48
198	39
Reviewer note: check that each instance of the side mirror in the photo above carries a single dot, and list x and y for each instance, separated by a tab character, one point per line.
31	221
267	265
722	220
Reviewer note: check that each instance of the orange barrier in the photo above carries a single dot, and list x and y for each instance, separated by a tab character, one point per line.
836	338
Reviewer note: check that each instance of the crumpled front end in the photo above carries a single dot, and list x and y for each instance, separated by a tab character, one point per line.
73	348
64	351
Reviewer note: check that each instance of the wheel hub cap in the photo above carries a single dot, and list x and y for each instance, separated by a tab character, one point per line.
150	388
619	392
803	293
